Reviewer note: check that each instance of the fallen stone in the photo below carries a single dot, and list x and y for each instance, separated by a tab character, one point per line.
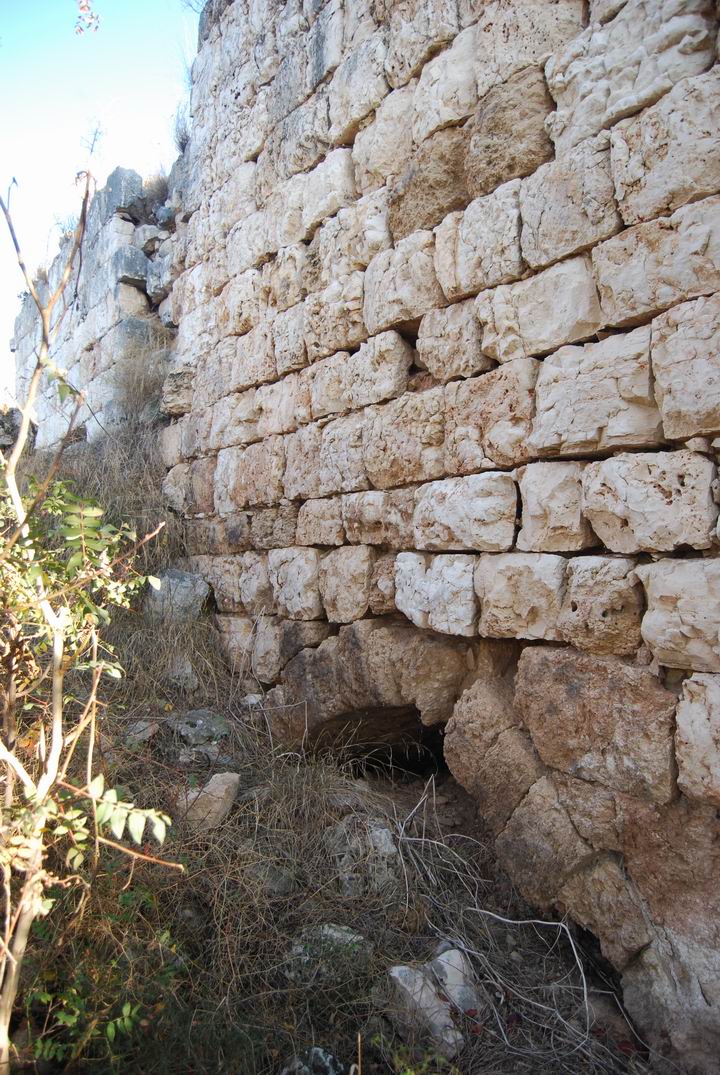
415	1004
180	597
207	807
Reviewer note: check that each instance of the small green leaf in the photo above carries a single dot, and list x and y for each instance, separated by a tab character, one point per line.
110	1032
154	582
136	825
96	786
159	828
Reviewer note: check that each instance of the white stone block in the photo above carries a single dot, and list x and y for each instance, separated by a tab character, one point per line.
378	371
380	517
446	91
532	317
329	187
350	240
670	154
682	623
449	343
476	512
437	592
334	317
403	440
480	247
294	579
320	522
400	284
697	739
417	29
651	502
603	605
552	516
345	581
357	87
382	149
611	71
685	350
596	398
520	594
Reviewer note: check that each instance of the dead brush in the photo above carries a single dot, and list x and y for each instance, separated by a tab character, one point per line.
271	873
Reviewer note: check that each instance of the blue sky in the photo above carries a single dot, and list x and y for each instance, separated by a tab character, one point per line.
56	88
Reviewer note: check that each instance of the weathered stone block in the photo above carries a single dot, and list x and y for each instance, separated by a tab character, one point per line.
552	517
477	512
254	587
603	605
599	719
603	76
437	592
334	317
284	278
403	440
446	91
276	641
417	29
602	899
236	639
294	578
253	359
288	332
380	517
480	247
533	317
378	371
685	349
284	405
697	739
329	187
382	586
670	154
682	623
506	137
520	594
653	266
488	418
251	476
350	240
382	149
596	398
273	528
400	284
568	205
320	522
345	580
357	87
234	420
449	343
651	502
431	186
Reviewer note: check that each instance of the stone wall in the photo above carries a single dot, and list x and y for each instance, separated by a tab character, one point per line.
446	401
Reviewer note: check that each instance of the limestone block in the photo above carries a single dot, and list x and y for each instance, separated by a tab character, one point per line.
251	242
670	154
234	420
254	589
244	301
682	623
350	240
334	317
403	440
177	391
514	36
302	463
540	847
437	592
223	574
604	10
251	476
233	201
176	489
416	1004
169	441
417	29
602	606
207	807
552	517
382	586
611	71
506	137
276	641
597	398
697	738
568	205
653	266
651	502
532	317
685	350
449	343
382	149
357	87
273	528
480	247
329	187
378	371
294	579
288	334
599	719
236	639
345	580
520	594
380	517
299	142
342	456
446	91
324	44
283	278
400	284
487	749
285	203
284	405
431	186
488	418
320	522
253	360
477	512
